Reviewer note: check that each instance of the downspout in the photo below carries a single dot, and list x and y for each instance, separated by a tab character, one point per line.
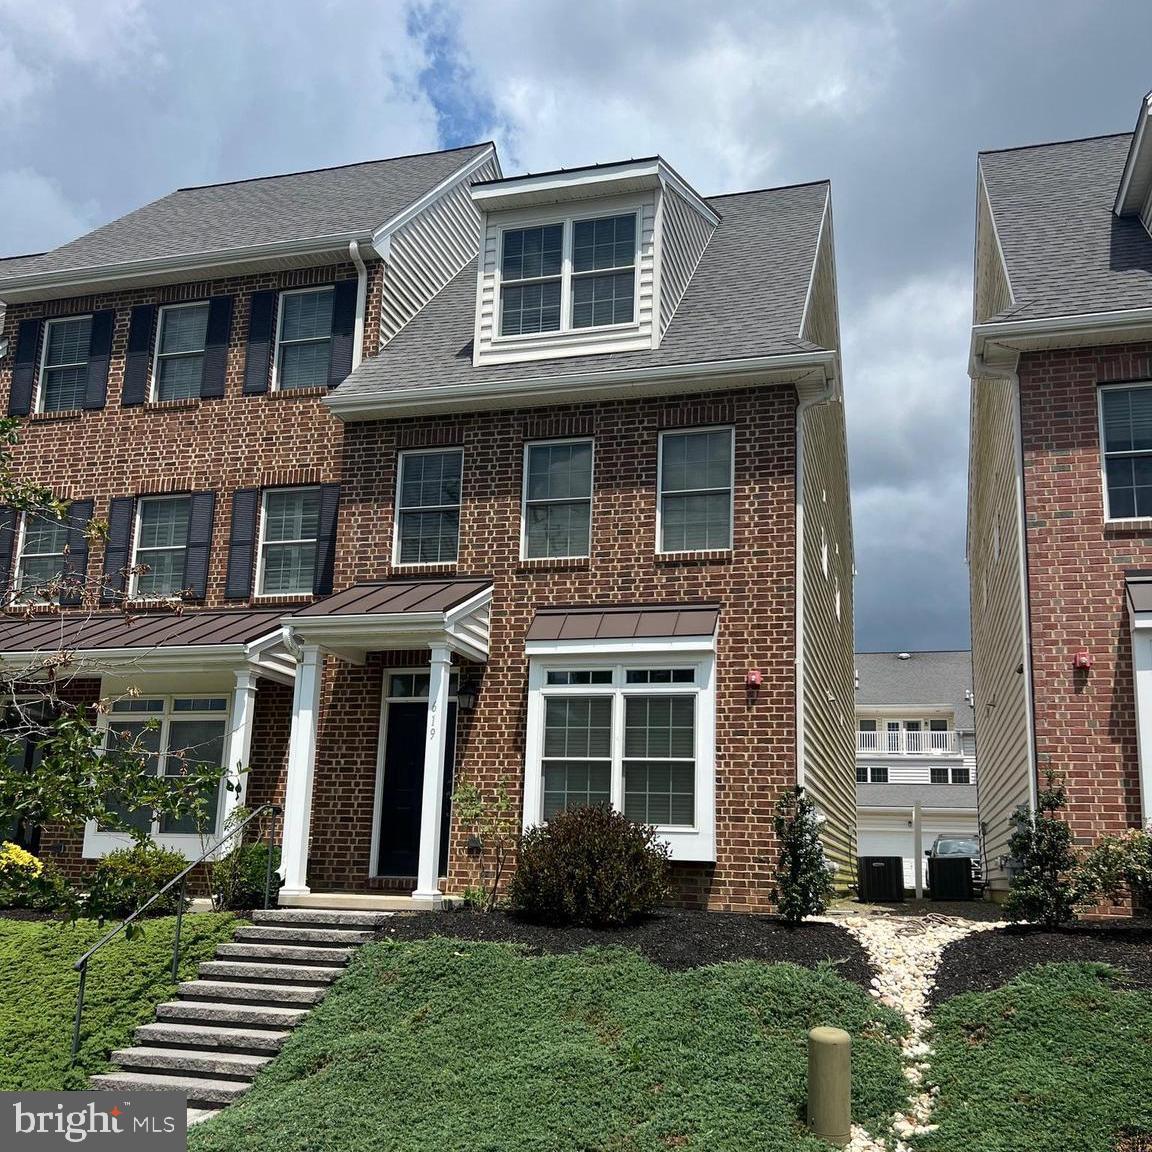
826	395
981	368
361	303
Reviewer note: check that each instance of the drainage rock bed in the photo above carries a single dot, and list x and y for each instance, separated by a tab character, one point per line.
988	960
674	940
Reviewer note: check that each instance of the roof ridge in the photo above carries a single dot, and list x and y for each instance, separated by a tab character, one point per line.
1052	143
333	167
774	188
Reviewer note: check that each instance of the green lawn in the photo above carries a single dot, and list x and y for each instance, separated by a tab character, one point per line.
466	1047
126	980
1056	1061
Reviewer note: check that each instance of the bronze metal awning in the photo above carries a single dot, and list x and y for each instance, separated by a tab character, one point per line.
396	597
645	622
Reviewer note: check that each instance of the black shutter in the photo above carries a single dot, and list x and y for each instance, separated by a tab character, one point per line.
9	520
117	551
216	347
99	353
138	360
242	543
76	562
199	544
24	368
326	540
343	331
261	321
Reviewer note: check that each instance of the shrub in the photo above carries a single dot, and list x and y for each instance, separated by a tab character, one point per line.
1120	866
238	879
803	873
28	882
125	879
590	866
1043	886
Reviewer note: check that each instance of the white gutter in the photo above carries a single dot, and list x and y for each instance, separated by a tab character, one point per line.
361	302
384	405
980	367
1089	323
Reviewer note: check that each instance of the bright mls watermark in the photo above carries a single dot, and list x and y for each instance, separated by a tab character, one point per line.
94	1121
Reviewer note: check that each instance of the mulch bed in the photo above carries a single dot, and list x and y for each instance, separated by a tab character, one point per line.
987	960
674	940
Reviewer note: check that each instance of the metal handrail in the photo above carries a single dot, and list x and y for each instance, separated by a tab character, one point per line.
81	965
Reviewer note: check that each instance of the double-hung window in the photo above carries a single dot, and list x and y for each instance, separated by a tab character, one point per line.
1126	439
428	507
567	275
289	535
181	338
64	373
161	546
695	490
557	499
43	556
632	733
304	337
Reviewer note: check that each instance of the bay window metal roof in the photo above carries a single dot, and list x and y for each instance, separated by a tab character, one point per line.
657	621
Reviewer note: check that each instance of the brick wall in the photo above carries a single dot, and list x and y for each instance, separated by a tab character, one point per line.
1085	720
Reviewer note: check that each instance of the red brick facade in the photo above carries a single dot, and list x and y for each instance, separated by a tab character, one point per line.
1085	720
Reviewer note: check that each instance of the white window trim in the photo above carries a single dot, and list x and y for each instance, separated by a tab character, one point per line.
397	510
154	383
697	843
258	577
45	340
566	330
134	580
276	360
14	593
1101	389
528	446
99	842
731	430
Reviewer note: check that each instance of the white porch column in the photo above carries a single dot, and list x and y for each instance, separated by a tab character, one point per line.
239	742
428	878
301	768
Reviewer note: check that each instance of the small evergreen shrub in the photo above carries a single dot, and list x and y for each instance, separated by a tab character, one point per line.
590	866
1044	888
125	879
26	881
238	879
804	875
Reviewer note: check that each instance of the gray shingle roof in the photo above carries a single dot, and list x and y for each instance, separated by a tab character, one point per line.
1067	253
18	265
356	198
928	679
905	795
745	299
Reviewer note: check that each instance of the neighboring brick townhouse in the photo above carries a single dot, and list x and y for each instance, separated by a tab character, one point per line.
535	482
1060	482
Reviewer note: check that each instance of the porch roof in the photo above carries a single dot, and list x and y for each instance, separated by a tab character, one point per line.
651	621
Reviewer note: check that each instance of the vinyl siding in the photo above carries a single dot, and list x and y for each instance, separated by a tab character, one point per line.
684	236
821	318
429	251
997	619
918	769
1146	214
993	293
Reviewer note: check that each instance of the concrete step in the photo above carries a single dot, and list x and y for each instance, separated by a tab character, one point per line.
313	937
178	1061
207	1036
268	973
320	917
275	995
271	1017
202	1091
245	952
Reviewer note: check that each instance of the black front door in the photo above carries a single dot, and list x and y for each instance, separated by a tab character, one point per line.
402	795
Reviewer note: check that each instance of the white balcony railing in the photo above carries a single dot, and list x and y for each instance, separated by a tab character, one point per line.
904	743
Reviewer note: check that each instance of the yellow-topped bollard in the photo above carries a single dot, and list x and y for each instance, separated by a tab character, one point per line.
830	1085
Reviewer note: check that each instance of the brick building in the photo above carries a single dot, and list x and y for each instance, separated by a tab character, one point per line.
1060	507
456	478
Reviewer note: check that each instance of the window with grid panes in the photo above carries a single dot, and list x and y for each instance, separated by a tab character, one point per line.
303	346
181	338
695	490
558	499
64	377
161	545
291	528
428	507
43	555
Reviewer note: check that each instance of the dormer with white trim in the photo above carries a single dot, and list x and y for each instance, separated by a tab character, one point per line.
585	260
1134	197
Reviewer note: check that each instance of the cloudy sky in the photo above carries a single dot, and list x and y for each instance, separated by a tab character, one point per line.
106	104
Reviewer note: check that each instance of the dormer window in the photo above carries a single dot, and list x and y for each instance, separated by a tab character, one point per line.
568	275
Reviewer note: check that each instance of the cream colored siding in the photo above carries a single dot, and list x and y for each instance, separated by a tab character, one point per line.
993	293
428	251
821	319
684	236
583	341
918	769
1146	214
829	711
1001	717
